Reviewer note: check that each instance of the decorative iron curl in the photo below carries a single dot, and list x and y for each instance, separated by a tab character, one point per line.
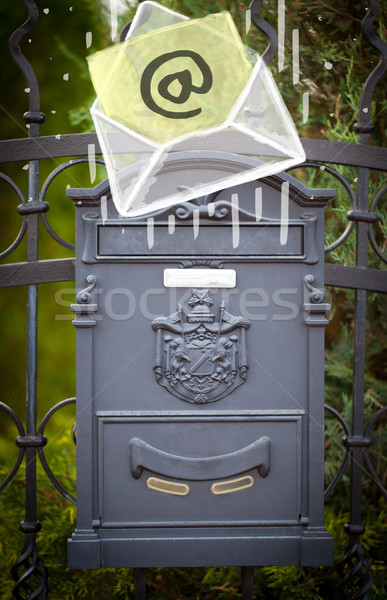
23	227
221	210
84	296
42	456
184	212
356	573
260	23
316	296
348	230
19	459
364	124
371	235
367	460
344	464
214	210
29	570
74	433
125	31
43	193
195	262
20	59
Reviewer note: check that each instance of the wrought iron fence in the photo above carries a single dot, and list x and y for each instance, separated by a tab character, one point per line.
355	574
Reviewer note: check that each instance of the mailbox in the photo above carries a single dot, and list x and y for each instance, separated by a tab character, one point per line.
200	361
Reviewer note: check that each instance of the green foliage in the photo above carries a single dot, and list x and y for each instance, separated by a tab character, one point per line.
81	117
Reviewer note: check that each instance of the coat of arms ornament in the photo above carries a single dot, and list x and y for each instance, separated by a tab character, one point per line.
201	359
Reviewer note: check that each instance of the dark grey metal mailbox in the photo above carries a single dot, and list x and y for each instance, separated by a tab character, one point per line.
200	349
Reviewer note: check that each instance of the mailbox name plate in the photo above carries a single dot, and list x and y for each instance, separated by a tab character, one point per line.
199	278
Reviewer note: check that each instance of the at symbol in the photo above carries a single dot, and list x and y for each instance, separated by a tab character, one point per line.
183	77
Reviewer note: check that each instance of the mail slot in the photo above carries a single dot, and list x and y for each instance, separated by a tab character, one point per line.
200	356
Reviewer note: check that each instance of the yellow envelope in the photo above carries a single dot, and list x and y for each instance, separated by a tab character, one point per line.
173	82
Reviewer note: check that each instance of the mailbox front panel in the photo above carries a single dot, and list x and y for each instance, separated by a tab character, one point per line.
185	495
200	409
272	304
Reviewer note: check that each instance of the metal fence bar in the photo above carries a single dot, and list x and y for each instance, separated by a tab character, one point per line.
356	572
29	572
76	144
63	269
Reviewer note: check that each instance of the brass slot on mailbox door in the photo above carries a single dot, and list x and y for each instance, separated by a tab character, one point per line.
235	485
167	487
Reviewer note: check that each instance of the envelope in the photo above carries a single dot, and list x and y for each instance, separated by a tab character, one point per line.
177	85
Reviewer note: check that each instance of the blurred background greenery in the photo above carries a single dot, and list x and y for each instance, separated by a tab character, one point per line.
329	35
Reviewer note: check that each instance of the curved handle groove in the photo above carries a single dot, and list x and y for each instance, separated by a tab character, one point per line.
143	456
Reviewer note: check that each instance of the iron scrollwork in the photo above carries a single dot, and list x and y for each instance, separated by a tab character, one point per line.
202	359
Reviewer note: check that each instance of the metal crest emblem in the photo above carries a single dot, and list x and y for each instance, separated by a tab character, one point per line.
200	359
